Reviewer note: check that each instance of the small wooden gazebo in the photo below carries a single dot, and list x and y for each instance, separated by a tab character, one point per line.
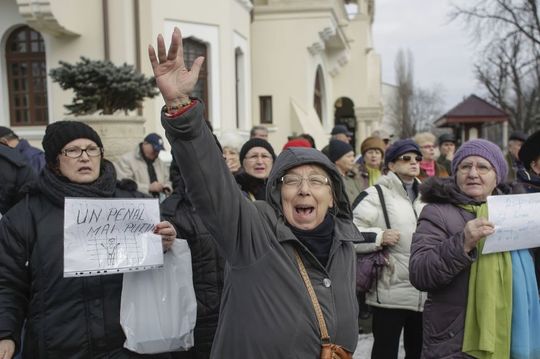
476	118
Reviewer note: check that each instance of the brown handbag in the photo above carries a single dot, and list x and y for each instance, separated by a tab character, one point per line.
328	350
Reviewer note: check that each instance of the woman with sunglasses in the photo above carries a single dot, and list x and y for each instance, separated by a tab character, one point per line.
397	305
304	228
428	166
63	317
479	305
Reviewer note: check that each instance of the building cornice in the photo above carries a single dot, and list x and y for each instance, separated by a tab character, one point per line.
246	4
38	14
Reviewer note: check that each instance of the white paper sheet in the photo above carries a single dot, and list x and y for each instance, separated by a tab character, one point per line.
517	222
109	236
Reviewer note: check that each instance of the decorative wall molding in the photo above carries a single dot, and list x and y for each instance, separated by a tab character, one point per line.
344	59
246	4
327	33
316	48
38	14
334	71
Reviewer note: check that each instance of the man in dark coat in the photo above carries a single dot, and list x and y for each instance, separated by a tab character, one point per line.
207	265
14	174
34	156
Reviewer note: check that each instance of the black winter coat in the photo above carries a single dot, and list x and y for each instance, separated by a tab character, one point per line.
15	172
65	317
207	266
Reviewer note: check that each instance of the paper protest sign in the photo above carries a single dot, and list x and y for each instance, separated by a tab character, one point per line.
517	222
109	236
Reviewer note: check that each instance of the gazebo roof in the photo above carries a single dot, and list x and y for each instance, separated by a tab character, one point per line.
472	110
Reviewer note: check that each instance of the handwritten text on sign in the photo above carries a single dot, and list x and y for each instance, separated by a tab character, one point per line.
517	222
108	236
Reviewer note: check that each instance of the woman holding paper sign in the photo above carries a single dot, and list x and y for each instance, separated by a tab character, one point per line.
479	305
65	317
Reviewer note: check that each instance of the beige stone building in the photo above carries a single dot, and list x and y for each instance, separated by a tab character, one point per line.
292	65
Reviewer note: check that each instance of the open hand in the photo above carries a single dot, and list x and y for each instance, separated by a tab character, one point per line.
174	80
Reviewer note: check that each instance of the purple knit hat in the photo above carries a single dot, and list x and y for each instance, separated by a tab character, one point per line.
484	149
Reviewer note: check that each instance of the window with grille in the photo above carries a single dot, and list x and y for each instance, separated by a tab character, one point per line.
193	49
27	78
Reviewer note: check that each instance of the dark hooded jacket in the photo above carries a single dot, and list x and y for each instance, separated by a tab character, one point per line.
266	311
76	318
439	265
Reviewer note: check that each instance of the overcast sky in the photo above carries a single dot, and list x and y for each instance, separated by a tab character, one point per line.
441	49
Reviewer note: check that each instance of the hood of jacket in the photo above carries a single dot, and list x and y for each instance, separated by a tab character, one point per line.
298	156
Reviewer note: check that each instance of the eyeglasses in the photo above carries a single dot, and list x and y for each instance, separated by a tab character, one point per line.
313	181
427	147
408	158
481	168
262	156
76	152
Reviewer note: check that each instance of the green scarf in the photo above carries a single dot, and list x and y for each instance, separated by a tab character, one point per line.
489	304
373	175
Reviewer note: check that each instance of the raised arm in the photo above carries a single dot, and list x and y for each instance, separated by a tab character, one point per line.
233	221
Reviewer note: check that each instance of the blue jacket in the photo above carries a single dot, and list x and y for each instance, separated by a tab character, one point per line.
35	156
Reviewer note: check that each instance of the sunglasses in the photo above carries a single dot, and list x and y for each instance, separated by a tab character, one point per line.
408	158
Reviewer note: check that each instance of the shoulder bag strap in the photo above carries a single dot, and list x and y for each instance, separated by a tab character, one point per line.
318	311
383	204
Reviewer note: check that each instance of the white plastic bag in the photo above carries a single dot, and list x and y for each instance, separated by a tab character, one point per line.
158	308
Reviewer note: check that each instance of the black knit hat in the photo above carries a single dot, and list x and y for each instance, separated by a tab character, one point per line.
256	142
58	134
337	149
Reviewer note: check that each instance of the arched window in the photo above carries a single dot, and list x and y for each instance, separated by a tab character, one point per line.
27	78
193	49
318	94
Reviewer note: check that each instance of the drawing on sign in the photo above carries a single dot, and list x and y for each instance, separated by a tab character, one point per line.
101	236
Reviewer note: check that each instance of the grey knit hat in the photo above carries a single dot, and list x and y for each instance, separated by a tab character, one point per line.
485	149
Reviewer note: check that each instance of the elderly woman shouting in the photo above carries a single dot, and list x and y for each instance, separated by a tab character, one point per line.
300	238
479	305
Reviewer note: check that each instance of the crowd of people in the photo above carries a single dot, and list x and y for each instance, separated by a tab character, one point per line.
276	238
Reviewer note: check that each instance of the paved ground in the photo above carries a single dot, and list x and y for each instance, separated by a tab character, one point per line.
363	350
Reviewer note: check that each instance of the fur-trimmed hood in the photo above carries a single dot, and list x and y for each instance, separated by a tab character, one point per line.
445	190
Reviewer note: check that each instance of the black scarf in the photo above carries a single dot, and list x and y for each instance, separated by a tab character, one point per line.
319	239
56	187
150	168
253	185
